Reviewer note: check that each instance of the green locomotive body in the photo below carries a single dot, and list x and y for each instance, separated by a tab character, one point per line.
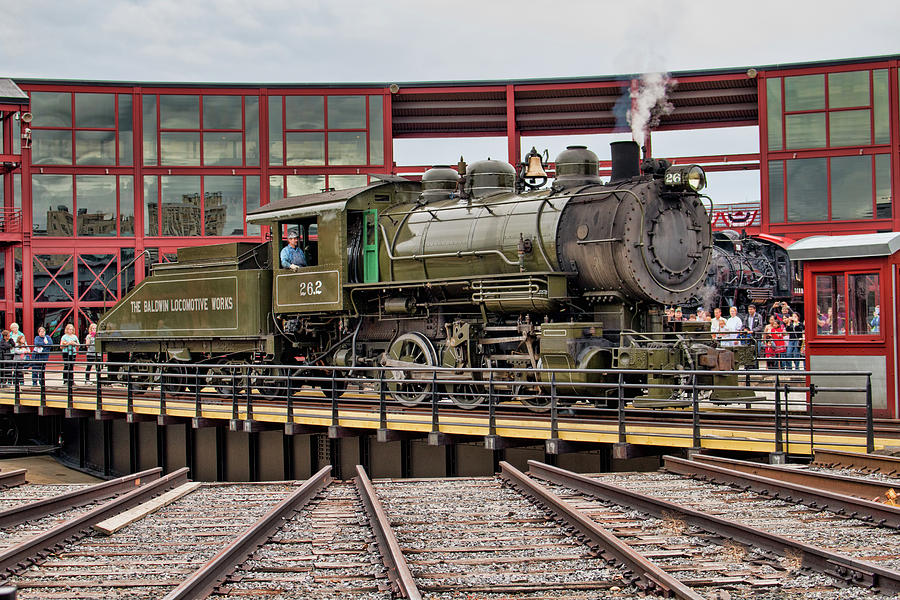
459	272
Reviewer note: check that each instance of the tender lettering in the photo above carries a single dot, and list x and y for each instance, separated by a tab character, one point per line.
200	304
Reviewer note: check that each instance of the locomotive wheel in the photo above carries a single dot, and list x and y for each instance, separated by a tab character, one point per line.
9	432
407	386
470	394
174	379
144	376
267	381
531	394
228	377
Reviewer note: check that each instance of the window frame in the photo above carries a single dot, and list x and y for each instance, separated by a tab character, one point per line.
73	129
812	330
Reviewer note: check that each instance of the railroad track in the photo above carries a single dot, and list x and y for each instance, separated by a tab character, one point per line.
479	537
325	550
856	550
154	554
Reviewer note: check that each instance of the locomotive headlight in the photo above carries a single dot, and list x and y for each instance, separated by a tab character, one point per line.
687	177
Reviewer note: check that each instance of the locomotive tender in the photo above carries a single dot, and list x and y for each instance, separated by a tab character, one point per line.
483	270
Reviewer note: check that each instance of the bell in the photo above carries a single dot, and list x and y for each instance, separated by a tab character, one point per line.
535	167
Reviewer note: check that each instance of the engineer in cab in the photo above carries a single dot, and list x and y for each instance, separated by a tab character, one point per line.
292	255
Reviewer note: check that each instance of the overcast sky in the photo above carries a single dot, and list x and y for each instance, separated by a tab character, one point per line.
309	41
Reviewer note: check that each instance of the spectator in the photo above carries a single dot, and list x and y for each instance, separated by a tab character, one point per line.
679	316
717	322
92	358
875	323
733	325
778	342
20	354
40	355
6	346
794	329
69	346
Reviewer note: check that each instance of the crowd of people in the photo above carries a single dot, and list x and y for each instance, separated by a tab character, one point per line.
779	336
18	356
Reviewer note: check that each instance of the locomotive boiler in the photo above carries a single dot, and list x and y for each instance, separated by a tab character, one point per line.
484	269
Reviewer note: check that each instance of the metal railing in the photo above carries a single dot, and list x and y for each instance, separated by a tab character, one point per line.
778	408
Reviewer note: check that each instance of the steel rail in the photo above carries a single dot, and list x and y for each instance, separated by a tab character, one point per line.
865	510
17	558
873	463
398	571
845	568
205	579
47	506
840	484
641	572
12	478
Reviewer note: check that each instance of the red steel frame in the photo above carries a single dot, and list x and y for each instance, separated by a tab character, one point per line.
81	245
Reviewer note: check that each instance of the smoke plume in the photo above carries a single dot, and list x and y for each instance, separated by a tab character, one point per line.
648	103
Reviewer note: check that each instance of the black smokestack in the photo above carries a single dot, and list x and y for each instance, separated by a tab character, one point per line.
626	160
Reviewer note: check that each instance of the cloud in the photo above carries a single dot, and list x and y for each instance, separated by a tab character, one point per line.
416	40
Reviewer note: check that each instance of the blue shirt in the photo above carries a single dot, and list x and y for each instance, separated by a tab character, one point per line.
292	256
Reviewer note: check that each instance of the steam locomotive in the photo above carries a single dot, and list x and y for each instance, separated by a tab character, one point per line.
487	269
745	269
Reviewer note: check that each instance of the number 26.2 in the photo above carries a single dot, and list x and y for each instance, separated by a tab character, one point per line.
310	288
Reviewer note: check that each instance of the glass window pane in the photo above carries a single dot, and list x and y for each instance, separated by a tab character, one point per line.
343	182
126	278
253	200
850	127
51	147
848	89
864	304
95	147
179	112
376	130
180	215
95	110
276	188
773	112
851	187
276	129
95	204
179	148
299	185
883	186
151	201
807	190
806	92
346	112
17	273
346	148
776	191
53	280
830	304
149	126
52	204
126	129
305	148
95	277
222	148
126	205
51	109
805	131
222	112
251	129
304	112
881	103
223	205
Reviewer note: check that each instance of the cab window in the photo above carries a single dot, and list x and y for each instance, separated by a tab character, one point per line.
308	232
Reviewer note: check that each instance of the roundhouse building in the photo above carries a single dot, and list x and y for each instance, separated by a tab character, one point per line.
98	179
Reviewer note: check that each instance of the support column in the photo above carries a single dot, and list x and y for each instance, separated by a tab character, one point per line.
513	140
221	455
133	446
287	444
161	450
107	447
